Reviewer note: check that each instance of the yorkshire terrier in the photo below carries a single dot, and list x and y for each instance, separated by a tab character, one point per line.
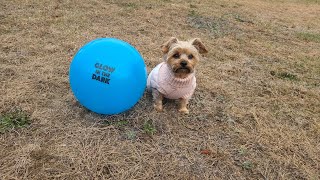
175	77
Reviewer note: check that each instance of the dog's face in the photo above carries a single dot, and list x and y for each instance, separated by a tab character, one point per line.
183	56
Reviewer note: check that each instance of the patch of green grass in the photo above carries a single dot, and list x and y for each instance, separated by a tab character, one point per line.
309	37
149	128
297	1
247	165
310	1
242	151
129	5
193	6
131	135
121	123
284	75
13	119
193	13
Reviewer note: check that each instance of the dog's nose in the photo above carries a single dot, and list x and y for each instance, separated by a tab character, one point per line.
183	63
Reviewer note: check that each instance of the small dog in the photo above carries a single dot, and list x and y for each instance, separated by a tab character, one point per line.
175	77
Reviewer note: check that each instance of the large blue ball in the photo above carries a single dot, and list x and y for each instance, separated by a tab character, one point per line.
108	76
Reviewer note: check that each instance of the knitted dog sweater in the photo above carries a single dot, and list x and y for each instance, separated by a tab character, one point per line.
162	78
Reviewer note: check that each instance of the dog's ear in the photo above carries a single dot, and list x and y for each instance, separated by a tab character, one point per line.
166	46
199	45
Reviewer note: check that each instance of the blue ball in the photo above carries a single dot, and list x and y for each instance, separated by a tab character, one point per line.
108	76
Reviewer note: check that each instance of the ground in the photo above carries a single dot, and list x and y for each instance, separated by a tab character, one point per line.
255	113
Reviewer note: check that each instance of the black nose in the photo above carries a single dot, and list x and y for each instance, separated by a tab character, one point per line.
183	63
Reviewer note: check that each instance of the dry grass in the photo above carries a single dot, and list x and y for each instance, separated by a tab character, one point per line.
255	113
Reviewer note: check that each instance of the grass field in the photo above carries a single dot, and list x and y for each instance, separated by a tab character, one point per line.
255	113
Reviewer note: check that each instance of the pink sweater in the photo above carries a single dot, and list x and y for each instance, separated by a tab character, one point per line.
162	78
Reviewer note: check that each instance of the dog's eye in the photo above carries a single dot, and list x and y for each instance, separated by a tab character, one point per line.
176	55
190	56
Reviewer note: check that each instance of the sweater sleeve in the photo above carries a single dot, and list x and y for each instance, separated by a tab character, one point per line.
152	81
190	93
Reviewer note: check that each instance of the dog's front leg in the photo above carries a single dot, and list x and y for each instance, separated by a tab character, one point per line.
183	106
157	98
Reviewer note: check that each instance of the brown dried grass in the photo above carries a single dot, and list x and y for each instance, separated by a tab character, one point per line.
246	121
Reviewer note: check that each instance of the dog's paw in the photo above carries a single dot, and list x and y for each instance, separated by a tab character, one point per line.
184	110
159	108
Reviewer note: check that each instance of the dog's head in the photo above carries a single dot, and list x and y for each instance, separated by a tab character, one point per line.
183	56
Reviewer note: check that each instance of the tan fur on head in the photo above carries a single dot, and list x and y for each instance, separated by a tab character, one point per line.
183	56
166	46
196	42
